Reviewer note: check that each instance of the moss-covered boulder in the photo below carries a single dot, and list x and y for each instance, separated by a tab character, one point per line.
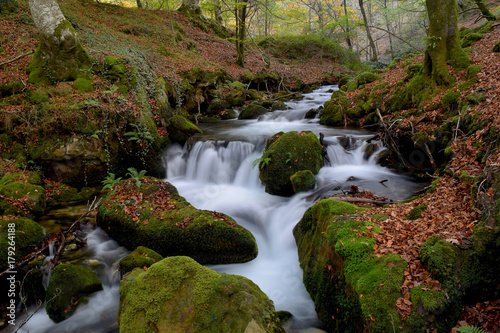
179	295
22	194
69	287
286	154
151	213
141	257
302	181
180	129
25	233
217	106
334	111
252	111
470	39
59	193
367	77
353	290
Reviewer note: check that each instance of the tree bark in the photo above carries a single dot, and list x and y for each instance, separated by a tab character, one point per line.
485	11
241	15
374	56
191	6
59	56
347	28
443	43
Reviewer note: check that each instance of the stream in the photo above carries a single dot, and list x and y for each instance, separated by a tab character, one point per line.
216	173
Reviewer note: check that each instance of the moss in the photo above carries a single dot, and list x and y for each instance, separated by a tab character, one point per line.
470	39
347	284
475	98
208	237
252	111
39	95
289	153
83	85
13	87
69	285
302	181
439	258
496	48
25	186
179	295
372	118
141	257
367	77
28	234
472	72
180	129
450	99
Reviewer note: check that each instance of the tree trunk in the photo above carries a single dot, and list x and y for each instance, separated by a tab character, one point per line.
388	25
59	56
368	34
347	29
443	44
241	15
139	3
485	11
190	6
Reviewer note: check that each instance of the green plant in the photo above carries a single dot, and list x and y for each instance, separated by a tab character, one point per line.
136	175
265	161
139	135
469	329
110	181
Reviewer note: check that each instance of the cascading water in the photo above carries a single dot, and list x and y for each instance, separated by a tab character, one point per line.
218	175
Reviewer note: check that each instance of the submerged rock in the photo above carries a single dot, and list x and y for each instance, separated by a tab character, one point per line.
252	111
149	212
179	295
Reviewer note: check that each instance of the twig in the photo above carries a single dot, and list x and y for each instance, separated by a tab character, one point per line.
390	136
16	58
354	199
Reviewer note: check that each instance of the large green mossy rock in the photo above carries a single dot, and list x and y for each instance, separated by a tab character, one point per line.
179	295
496	48
252	111
286	154
154	215
141	257
335	110
69	287
26	188
348	285
26	235
180	129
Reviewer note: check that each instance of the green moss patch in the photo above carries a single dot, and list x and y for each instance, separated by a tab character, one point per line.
180	129
154	215
252	111
302	181
22	194
179	295
68	288
141	257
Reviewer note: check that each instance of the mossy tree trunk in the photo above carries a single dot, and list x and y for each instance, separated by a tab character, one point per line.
443	43
241	16
485	11
59	56
191	7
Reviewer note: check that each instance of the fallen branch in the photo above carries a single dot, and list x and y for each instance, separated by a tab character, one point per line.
16	58
389	134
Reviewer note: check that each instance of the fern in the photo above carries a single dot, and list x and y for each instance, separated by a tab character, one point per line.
136	175
469	329
110	181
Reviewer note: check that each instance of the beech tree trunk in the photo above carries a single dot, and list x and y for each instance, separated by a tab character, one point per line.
347	29
191	6
485	11
443	42
59	56
374	56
